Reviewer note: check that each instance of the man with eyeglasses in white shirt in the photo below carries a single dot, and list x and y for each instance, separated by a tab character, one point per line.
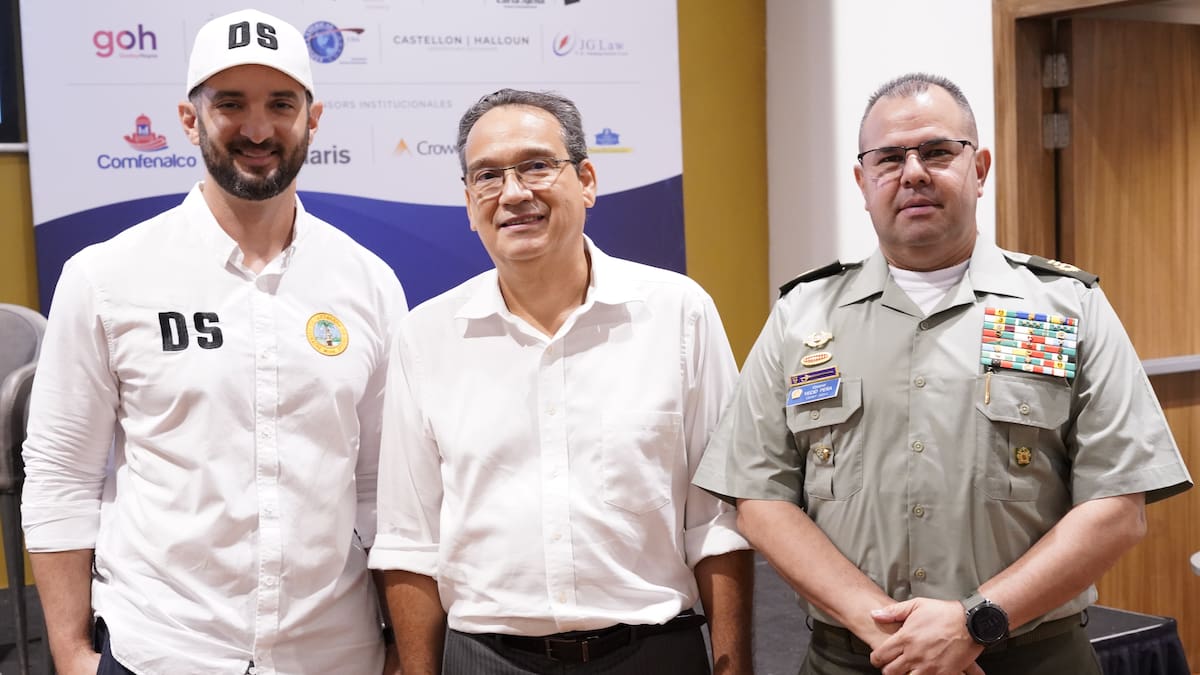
943	447
542	424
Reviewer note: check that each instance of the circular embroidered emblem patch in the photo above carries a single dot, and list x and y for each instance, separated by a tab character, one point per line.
327	334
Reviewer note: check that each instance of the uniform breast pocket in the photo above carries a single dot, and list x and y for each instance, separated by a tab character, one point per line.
833	462
1018	434
639	452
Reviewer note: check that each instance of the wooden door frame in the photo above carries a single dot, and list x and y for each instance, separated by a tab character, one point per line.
1025	181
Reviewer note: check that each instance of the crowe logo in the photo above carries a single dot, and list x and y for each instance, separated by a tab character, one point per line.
142	44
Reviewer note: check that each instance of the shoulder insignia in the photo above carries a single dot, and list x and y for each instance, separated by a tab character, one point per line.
835	267
1062	269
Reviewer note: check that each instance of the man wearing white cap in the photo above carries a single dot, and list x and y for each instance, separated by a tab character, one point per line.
203	444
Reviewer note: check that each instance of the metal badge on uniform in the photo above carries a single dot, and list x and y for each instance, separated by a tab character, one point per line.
822	454
1023	455
818	339
816	385
1046	344
327	334
815	359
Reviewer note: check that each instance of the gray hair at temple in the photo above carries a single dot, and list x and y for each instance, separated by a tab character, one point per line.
915	83
562	108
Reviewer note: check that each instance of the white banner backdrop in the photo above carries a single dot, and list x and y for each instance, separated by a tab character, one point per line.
103	80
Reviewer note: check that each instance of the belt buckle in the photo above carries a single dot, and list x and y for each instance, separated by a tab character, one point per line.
584	655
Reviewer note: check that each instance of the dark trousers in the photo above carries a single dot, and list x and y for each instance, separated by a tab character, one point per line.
1064	652
108	665
679	653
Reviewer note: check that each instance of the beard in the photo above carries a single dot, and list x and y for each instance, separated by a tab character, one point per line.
251	186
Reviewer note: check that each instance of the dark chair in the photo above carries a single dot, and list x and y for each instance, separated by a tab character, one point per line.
21	331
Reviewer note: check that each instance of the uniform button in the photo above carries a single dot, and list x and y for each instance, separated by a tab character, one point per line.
551	411
1023	408
557	537
814	414
918	511
919	382
918	446
919	573
924	325
561	597
268	581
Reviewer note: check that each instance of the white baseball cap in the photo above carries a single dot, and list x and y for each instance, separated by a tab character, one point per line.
248	37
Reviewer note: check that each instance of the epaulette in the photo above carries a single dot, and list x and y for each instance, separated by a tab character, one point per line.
1061	268
835	267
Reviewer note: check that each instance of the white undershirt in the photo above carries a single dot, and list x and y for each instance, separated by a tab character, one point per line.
928	288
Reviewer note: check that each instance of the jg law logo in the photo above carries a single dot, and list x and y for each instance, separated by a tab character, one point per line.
150	147
568	44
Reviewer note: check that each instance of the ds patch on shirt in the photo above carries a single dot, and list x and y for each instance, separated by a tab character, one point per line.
327	334
1046	344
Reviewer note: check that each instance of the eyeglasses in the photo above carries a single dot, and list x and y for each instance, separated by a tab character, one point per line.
888	162
534	174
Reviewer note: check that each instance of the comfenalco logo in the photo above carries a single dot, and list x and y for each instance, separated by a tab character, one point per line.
150	147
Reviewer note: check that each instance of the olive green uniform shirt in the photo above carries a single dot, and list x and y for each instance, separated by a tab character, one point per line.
928	470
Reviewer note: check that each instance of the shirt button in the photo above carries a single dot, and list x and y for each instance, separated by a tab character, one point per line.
551	411
918	446
919	573
557	537
918	511
919	382
924	325
814	414
268	581
1023	408
561	597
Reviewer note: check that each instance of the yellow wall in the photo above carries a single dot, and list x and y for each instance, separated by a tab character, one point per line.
18	275
723	83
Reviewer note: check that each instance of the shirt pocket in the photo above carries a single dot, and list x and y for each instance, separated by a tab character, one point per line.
1018	433
825	438
639	451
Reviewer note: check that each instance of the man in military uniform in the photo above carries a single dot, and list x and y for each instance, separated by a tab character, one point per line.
962	429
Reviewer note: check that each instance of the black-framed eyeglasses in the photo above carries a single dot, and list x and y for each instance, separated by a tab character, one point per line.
538	173
887	161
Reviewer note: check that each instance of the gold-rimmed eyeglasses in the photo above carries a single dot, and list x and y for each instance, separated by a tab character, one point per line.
538	173
888	161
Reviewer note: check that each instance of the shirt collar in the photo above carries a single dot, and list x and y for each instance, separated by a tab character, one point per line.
989	272
213	238
606	286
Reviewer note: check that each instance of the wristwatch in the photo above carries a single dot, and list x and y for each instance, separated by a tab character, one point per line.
987	622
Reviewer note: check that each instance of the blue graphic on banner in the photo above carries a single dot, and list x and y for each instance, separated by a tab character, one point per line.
431	248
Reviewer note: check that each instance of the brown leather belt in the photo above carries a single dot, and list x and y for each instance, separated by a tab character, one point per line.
587	645
840	638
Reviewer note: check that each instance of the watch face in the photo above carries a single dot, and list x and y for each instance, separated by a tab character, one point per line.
988	623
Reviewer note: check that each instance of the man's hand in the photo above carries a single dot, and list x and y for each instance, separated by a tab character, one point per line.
933	639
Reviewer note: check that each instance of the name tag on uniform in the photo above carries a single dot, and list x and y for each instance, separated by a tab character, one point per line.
813	392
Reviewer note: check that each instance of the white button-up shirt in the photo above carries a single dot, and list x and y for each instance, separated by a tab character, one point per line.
243	412
545	481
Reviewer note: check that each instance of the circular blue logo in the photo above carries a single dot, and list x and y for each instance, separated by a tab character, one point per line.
325	42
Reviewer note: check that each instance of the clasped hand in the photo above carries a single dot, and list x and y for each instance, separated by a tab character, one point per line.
931	640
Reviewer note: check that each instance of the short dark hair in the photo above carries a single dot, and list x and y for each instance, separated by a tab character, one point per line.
912	84
561	107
